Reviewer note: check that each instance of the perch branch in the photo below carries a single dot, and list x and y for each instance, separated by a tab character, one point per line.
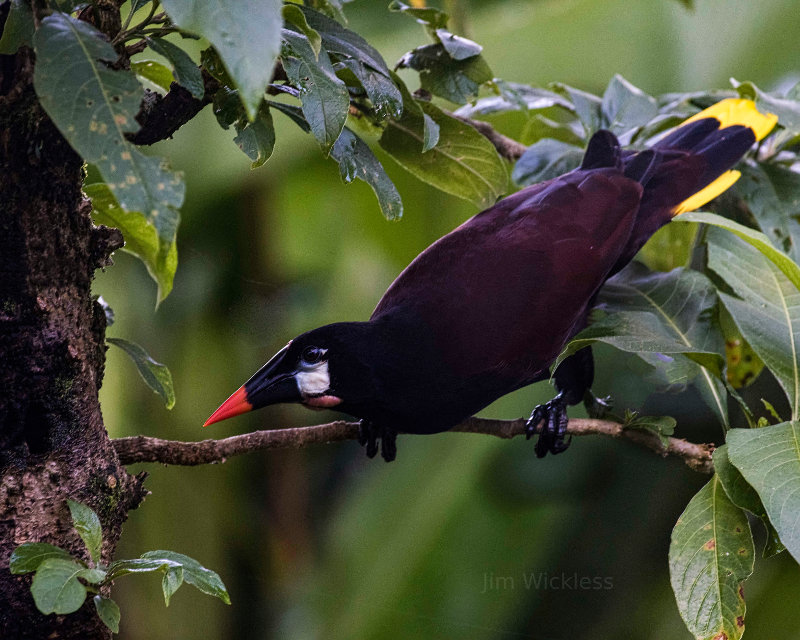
147	449
508	148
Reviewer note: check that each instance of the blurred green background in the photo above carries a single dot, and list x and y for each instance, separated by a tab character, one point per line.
323	543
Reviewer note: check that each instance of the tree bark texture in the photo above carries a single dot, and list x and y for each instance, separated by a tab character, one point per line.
53	444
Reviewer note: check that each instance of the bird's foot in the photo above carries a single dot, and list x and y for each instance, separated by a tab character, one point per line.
596	406
368	436
553	417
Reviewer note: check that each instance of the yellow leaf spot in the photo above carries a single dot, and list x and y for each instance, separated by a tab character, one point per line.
94	125
161	186
710	545
120	119
126	155
130	179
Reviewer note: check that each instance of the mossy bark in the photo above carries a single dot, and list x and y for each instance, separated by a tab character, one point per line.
53	444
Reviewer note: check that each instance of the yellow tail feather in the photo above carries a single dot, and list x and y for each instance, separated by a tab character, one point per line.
729	112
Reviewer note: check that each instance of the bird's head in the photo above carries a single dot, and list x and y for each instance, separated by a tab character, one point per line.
304	371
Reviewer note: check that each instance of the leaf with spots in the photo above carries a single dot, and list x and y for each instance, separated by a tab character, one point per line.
769	459
710	556
245	33
463	162
94	106
155	374
767	311
356	160
149	237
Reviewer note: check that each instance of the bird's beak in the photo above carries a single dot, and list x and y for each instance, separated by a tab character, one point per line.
272	383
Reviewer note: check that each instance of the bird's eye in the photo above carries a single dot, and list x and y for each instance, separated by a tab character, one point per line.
312	355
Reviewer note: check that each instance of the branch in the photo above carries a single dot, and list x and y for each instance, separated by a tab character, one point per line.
147	449
507	147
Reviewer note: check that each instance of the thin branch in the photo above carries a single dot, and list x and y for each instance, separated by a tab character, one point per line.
147	449
507	147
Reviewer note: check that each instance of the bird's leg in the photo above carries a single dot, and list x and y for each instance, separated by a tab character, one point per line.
369	434
573	379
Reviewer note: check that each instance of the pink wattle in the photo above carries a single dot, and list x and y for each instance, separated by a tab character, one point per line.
322	402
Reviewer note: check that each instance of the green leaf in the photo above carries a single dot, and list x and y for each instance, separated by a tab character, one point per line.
546	159
662	426
356	160
769	459
331	8
514	97
149	237
187	73
744	496
431	133
108	612
93	576
246	34
710	556
28	556
754	238
667	320
768	316
382	92
194	573
463	163
787	110
138	565
154	72
294	15
458	48
294	113
172	580
455	80
625	107
155	374
587	106
324	97
257	138
426	15
55	587
93	106
87	524
538	127
772	194
18	29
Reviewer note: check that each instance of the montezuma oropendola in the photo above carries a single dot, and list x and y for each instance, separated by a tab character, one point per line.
487	308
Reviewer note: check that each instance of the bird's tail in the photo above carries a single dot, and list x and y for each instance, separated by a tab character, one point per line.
714	140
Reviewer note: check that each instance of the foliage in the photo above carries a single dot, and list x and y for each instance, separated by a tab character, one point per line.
740	281
61	581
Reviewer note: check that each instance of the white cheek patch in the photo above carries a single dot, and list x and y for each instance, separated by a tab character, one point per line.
314	380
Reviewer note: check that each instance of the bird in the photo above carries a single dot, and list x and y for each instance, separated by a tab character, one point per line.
486	309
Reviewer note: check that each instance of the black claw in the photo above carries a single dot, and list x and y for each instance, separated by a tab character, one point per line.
553	418
369	435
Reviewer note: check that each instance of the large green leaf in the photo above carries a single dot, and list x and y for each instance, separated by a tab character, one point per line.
149	237
155	374
323	95
87	524
18	28
769	459
463	162
28	556
55	587
187	73
455	80
108	612
710	556
625	107
667	320
94	106
772	193
246	33
194	573
743	495
356	160
768	313
754	238
546	159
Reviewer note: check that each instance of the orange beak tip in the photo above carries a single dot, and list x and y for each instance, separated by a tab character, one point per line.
233	406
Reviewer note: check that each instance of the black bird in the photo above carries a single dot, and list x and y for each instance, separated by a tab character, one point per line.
487	308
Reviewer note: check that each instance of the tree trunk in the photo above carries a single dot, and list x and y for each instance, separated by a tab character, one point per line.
53	444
